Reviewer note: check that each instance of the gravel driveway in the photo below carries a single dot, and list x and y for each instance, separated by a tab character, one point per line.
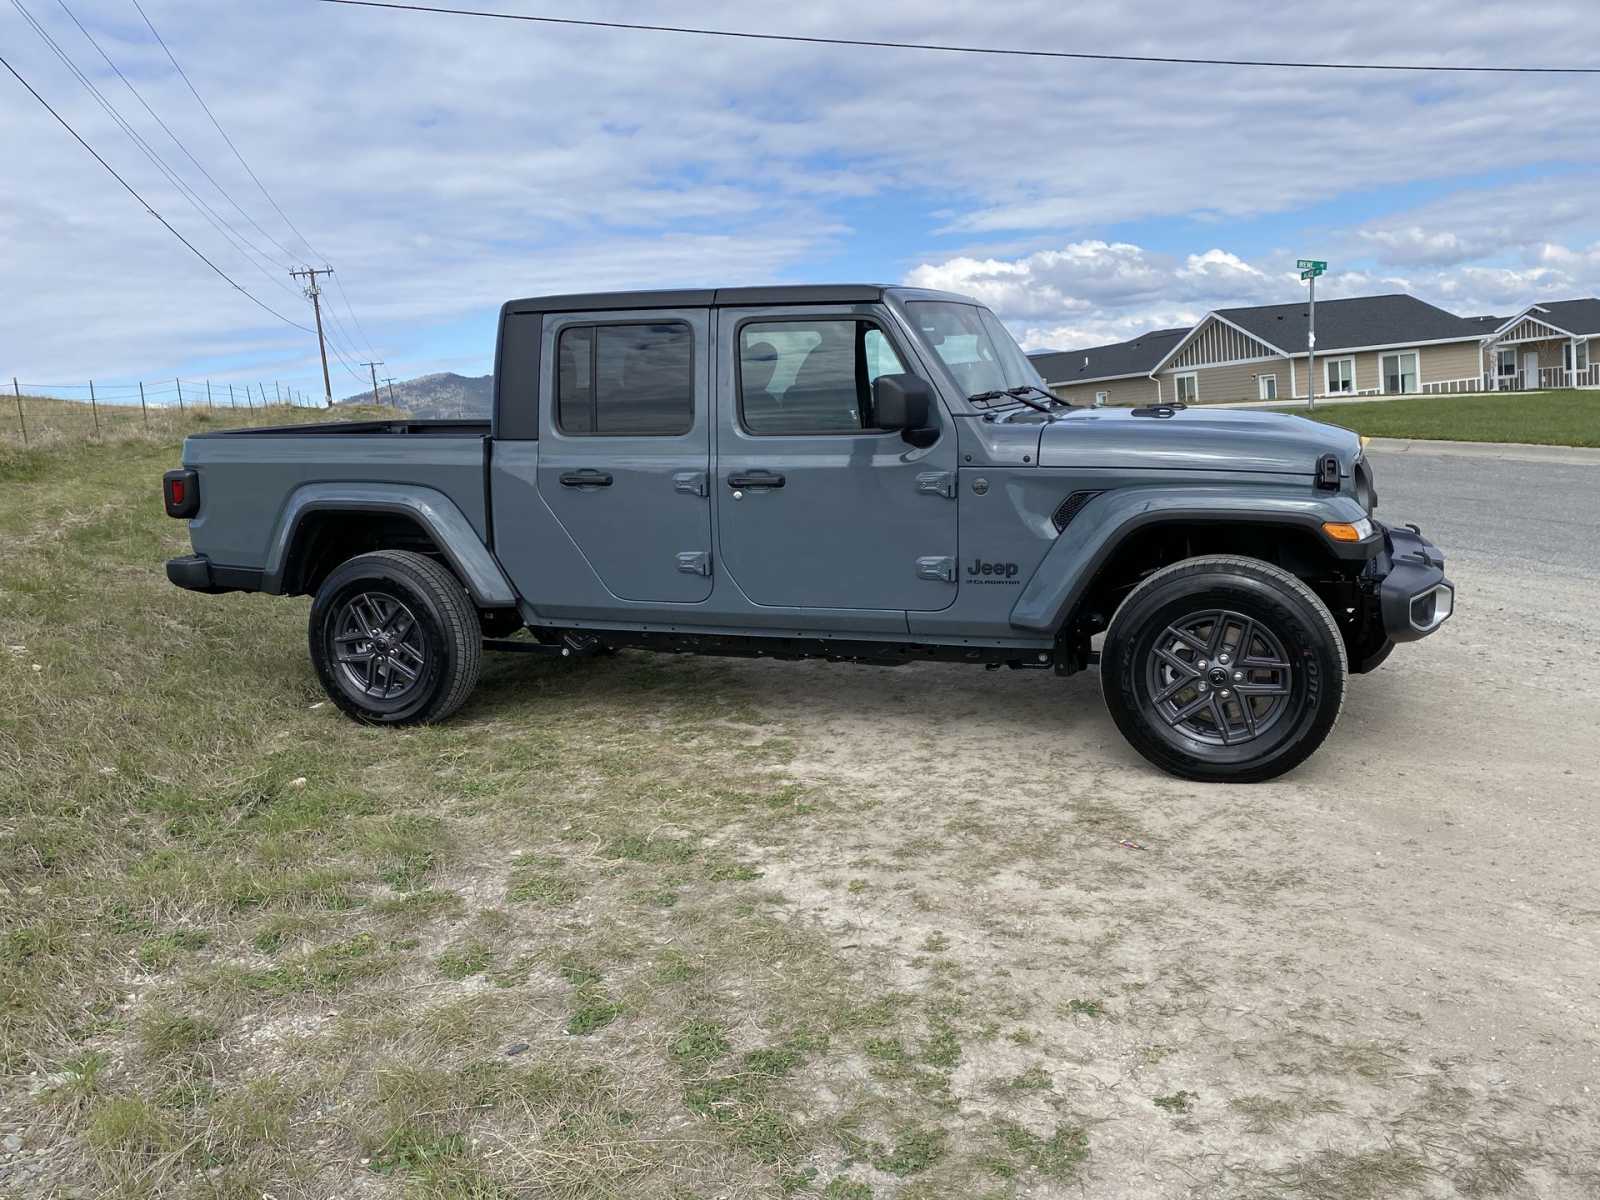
1377	976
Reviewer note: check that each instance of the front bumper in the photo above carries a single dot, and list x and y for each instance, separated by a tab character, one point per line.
197	573
1414	596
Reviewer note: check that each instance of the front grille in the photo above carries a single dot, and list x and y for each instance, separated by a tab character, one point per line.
1069	508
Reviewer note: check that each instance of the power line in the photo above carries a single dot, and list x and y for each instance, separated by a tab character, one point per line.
945	48
146	205
218	126
256	179
229	234
176	141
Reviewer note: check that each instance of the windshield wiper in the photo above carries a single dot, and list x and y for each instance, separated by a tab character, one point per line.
984	398
1025	388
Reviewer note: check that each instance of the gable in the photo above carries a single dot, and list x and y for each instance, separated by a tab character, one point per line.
1214	342
1531	329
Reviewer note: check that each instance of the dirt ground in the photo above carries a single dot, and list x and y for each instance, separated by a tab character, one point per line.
1379	975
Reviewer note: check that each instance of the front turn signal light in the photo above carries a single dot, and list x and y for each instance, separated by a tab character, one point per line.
1340	531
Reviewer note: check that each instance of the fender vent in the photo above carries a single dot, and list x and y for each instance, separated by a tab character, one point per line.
1069	508
1327	477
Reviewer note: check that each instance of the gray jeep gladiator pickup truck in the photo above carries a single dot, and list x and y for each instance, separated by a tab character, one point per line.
855	473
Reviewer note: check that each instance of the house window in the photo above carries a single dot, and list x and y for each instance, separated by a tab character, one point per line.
1341	376
1505	363
1188	388
1101	399
1583	356
1267	385
1401	374
625	380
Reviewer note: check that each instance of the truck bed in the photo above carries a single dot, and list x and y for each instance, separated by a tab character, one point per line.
450	427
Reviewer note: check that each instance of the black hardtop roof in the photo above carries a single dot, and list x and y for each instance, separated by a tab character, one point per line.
804	293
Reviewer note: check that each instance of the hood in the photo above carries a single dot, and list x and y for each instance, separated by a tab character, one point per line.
1195	439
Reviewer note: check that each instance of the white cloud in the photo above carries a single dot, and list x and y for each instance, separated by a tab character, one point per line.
447	163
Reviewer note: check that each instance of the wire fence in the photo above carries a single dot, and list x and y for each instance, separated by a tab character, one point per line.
39	414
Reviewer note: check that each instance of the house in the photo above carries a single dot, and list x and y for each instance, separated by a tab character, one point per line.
1366	345
1118	373
1546	345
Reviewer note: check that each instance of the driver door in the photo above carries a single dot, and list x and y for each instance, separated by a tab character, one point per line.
816	507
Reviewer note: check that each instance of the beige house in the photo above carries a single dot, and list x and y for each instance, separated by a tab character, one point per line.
1367	345
1551	345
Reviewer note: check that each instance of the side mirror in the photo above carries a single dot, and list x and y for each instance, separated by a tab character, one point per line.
901	402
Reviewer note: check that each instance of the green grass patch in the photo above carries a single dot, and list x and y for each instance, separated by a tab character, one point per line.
1559	418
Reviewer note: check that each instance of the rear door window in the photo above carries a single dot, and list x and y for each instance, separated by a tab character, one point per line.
626	380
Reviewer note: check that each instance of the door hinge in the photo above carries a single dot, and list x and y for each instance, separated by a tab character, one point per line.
938	483
692	483
694	562
938	568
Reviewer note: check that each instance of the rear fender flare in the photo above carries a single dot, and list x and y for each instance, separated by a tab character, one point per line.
434	511
1068	569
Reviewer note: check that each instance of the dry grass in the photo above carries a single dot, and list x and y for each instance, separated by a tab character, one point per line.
249	943
555	948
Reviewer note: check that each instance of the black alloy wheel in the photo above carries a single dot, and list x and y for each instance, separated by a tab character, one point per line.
1224	668
379	646
395	638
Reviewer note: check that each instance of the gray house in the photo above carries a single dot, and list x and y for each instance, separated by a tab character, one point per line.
1118	373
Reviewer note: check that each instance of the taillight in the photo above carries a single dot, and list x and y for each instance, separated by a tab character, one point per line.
180	490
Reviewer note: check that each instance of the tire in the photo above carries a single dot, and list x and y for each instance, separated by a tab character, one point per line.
1205	722
425	660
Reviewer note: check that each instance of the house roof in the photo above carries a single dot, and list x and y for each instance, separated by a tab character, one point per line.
1118	360
1351	324
1575	316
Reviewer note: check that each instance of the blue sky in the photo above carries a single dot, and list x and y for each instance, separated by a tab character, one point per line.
445	164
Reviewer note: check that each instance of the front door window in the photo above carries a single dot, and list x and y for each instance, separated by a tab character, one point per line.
1268	385
1401	375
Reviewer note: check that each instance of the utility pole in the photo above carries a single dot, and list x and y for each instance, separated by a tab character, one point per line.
312	290
390	383
373	366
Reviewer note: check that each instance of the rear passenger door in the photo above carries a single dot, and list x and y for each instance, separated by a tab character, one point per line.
625	447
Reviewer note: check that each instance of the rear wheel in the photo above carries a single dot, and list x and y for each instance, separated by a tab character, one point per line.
1225	669
395	639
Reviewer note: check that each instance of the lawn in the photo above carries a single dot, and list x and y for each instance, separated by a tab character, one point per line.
1561	418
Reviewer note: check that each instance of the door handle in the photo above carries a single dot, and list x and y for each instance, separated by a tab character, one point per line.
586	478
756	479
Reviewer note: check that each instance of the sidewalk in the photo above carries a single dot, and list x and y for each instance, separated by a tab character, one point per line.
1328	401
1581	456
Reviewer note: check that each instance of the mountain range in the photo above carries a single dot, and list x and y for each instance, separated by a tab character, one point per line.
435	396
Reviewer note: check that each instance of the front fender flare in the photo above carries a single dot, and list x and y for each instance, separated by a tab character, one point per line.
1071	564
438	515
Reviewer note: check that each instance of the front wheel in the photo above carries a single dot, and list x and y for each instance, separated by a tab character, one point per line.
1224	669
395	639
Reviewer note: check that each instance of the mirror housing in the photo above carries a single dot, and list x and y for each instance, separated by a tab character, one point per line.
903	402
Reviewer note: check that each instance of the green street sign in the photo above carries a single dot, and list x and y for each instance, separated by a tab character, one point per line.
1309	274
1312	264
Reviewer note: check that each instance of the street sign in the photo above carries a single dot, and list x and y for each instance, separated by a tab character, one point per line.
1312	264
1309	274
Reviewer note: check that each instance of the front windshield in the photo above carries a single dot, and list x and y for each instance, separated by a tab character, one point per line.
979	351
